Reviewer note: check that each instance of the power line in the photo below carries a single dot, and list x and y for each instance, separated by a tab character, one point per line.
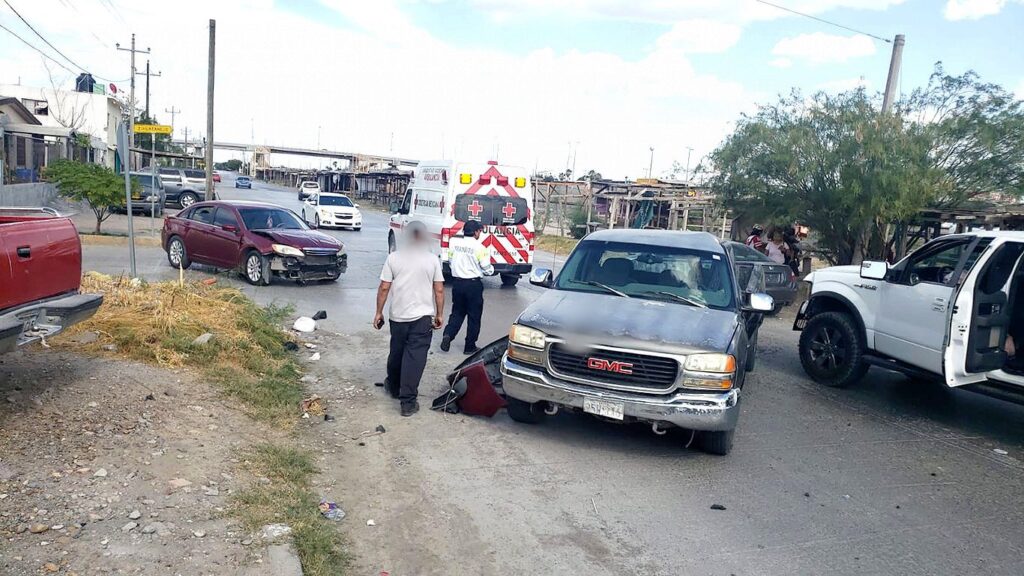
30	45
55	49
822	20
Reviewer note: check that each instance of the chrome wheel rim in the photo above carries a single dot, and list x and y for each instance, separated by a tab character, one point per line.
253	269
187	201
177	251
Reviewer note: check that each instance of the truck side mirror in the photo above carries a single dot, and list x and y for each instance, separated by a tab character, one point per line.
542	277
761	302
872	270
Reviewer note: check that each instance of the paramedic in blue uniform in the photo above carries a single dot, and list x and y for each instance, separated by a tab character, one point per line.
469	261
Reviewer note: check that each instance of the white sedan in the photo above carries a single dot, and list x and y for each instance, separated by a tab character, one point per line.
327	209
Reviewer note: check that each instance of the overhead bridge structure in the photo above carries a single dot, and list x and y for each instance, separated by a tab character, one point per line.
356	160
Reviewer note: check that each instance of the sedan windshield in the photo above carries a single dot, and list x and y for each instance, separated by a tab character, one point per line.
335	201
270	219
689	277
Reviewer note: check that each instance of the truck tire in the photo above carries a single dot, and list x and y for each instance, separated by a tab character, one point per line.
718	442
509	279
832	350
524	411
256	268
176	253
187	199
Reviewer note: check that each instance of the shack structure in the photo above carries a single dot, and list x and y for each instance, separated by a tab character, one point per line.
577	208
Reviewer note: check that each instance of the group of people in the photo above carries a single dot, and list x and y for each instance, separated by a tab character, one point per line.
412	279
781	245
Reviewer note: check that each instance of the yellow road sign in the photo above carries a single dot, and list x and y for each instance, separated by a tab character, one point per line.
152	129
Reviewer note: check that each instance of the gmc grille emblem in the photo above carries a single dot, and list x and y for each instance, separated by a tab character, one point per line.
609	365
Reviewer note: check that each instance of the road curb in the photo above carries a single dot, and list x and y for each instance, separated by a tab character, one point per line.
102	240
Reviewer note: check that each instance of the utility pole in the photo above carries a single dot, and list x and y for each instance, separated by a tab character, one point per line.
186	149
131	109
147	73
173	112
209	110
650	166
688	152
894	72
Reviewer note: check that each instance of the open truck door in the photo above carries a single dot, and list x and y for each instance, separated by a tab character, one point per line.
982	315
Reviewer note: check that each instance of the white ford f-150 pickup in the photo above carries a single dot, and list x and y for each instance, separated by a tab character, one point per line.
953	309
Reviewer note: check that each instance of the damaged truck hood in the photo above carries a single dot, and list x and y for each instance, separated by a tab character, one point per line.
655	325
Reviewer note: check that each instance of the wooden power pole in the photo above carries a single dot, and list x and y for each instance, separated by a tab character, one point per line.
210	195
894	72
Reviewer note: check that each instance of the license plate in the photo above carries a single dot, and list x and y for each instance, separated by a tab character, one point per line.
606	409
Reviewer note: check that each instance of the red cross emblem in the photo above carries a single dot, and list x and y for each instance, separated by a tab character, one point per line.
475	208
509	211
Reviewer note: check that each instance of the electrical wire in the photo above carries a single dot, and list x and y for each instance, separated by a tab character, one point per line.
55	49
822	20
32	46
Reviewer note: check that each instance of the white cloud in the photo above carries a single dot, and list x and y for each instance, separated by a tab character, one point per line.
972	9
700	36
781	63
290	74
821	48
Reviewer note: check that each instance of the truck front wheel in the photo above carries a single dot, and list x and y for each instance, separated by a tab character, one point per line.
524	412
719	443
832	350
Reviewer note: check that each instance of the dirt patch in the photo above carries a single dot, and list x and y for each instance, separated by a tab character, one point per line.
109	466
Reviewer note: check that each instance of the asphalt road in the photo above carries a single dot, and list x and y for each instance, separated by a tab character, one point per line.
890	477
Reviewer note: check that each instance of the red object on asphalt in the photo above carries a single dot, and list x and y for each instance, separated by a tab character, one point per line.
216	177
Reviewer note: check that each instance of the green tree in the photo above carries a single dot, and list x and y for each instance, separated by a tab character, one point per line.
96	185
233	165
839	165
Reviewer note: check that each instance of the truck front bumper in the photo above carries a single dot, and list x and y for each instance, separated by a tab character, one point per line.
695	411
44	319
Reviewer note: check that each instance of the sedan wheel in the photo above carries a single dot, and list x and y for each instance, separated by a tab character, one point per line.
257	269
176	254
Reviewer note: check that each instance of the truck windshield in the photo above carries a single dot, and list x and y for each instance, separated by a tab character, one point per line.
681	275
335	201
270	219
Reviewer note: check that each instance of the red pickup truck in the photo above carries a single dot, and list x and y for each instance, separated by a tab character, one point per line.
40	274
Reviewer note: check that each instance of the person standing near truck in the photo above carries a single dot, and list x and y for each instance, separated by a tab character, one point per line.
413	280
470	261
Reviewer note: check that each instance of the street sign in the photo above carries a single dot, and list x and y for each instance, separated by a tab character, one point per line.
152	129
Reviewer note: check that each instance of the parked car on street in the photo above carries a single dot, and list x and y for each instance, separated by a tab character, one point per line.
185	186
216	176
951	310
243	182
148	197
40	276
307	189
758	273
327	209
260	240
639	326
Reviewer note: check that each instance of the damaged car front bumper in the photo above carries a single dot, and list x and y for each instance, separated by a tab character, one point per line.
711	411
309	267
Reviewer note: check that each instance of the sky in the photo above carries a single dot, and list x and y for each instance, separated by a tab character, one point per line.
537	83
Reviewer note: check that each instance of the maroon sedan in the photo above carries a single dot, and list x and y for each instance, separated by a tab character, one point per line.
260	240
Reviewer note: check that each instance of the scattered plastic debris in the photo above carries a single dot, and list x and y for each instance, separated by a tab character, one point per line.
328	418
304	324
275	531
370	522
380	428
320	315
717	507
209	281
1000	451
314	357
331	511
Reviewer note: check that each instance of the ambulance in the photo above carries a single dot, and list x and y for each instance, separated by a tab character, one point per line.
444	195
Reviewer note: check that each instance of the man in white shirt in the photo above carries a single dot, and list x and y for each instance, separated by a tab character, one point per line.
470	261
412	278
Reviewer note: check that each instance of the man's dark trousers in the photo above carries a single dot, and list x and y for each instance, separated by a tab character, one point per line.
410	342
467	301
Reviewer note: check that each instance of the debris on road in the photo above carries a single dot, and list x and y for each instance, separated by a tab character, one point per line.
101	473
304	324
331	511
209	281
314	405
320	315
314	357
717	507
291	346
1000	451
380	428
370	522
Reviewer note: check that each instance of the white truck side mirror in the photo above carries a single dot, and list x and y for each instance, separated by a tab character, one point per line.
872	270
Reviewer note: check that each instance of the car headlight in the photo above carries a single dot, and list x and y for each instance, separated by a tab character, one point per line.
527	336
719	363
285	250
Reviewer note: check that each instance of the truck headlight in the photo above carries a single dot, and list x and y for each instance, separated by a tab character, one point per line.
718	363
527	336
285	250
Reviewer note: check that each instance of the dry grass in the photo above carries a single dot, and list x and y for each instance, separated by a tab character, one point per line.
158	323
288	499
556	244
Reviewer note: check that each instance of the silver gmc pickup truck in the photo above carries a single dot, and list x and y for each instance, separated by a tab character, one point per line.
640	325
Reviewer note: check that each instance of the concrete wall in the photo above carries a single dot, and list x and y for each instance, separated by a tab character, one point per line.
32	195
